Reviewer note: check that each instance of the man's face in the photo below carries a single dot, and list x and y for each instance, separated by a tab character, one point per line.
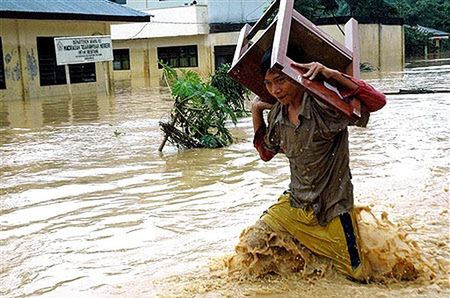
281	87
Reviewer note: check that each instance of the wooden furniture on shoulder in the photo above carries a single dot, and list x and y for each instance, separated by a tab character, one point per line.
288	29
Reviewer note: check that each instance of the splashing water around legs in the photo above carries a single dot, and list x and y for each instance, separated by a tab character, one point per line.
391	255
262	251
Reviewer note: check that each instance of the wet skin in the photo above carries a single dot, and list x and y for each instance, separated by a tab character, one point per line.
284	89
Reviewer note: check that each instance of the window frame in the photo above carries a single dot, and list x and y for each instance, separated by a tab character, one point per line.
82	73
50	73
223	53
124	64
185	56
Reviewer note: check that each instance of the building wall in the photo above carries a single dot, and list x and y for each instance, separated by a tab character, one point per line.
138	53
221	39
392	48
12	60
22	64
144	57
382	46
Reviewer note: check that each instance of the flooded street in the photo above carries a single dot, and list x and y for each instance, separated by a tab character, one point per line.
90	208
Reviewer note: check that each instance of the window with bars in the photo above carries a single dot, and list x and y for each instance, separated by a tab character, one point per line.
52	74
182	56
2	68
223	54
49	72
121	59
82	73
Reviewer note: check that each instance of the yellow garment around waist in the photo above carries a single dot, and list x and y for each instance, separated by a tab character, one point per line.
329	241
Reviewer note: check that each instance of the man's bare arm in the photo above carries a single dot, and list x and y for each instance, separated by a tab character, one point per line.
258	107
259	127
350	87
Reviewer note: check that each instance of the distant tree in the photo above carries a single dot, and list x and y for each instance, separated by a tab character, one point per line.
369	8
416	41
313	9
329	5
403	7
352	6
430	13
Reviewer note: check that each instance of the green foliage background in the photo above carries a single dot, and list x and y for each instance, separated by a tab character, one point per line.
428	13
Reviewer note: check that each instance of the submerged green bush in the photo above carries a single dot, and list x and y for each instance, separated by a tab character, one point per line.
199	113
235	94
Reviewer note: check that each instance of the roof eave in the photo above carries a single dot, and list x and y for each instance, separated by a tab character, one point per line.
71	16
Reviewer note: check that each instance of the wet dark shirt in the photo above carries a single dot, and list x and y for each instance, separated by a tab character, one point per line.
318	153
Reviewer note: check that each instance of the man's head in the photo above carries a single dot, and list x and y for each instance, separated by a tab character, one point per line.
282	87
293	52
279	85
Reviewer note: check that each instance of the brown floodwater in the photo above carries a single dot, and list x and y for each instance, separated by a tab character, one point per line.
89	207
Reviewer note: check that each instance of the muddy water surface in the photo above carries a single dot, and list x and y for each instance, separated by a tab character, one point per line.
88	207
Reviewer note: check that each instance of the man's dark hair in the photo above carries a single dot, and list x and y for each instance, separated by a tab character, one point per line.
265	61
293	52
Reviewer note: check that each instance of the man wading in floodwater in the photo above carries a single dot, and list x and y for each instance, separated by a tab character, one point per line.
317	209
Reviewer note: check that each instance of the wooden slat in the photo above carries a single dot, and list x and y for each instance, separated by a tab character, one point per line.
242	43
282	30
318	89
321	34
352	43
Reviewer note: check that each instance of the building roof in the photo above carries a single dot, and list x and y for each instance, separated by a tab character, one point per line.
433	32
93	10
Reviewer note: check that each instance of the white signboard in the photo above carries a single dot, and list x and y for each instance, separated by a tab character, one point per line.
83	49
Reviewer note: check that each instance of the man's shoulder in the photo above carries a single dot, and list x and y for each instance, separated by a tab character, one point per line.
318	107
312	100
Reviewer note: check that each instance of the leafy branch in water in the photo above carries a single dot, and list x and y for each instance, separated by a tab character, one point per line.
236	95
199	114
